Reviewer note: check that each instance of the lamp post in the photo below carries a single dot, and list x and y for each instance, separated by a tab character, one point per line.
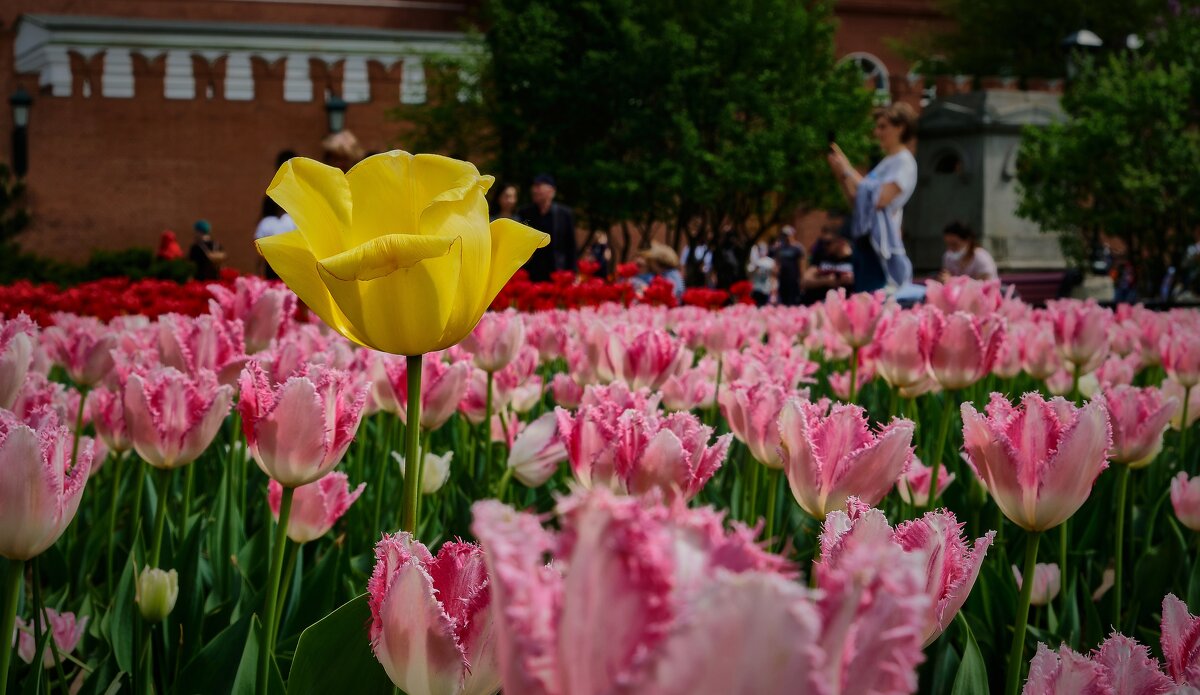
21	103
335	110
1080	43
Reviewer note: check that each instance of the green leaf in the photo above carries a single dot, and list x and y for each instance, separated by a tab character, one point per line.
972	676
247	671
1193	590
210	671
334	655
122	617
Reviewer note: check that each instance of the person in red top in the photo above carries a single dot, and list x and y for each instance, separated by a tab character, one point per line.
168	247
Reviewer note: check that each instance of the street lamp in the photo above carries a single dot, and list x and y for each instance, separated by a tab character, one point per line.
1080	43
335	110
21	102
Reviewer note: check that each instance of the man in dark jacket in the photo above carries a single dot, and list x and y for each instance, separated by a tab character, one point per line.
554	219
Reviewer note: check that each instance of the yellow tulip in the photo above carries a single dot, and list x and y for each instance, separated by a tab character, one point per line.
397	254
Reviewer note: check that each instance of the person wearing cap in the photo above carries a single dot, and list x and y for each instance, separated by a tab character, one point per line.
660	261
206	254
554	219
789	263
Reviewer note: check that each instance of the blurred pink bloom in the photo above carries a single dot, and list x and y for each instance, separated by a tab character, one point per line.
18	336
1150	326
1081	330
443	386
1038	461
690	389
496	339
546	332
537	452
1047	581
432	625
1061	382
64	628
1185	498
922	387
205	342
854	318
299	430
619	396
265	309
913	486
1180	642
899	361
959	348
82	345
1172	389
752	411
316	507
839	382
1008	356
647	359
517	377
978	297
831	454
951	566
827	344
39	488
1114	371
1039	351
1138	417
172	417
787	366
474	401
567	392
1181	356
106	410
38	393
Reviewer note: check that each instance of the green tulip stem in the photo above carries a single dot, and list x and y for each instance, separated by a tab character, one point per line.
487	434
139	490
388	433
266	648
160	516
189	481
1016	657
853	374
8	616
716	407
939	445
504	480
289	569
412	448
1119	548
113	505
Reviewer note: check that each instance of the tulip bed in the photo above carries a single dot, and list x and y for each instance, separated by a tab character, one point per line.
969	496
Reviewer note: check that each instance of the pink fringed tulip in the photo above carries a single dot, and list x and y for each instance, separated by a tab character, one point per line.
38	393
1180	642
537	452
298	431
831	454
106	410
206	342
64	628
1120	666
496	339
264	308
173	417
1081	330
1138	416
951	566
18	336
1129	668
978	297
900	362
647	359
839	382
1185	498
1039	352
567	392
854	318
913	486
619	397
1181	356
1172	389
690	389
316	507
1047	581
1065	672
83	346
752	411
959	348
1038	461
431	620
442	388
39	488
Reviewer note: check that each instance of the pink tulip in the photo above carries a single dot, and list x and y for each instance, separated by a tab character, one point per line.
298	431
1039	352
566	391
1047	581
959	348
18	336
1172	389
1114	371
442	388
1008	362
1185	498
173	417
39	487
316	507
1065	672
82	345
1180	643
432	623
64	628
831	454
646	359
913	486
1129	667
474	401
495	340
206	342
1038	461
1150	327
38	393
787	366
1181	356
854	318
106	410
752	411
899	361
537	452
265	309
546	332
1060	383
839	382
617	395
1081	330
518	376
1138	416
690	389
951	566
978	297
926	385
828	344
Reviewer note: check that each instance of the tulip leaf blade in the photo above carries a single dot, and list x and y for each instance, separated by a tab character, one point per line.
334	655
122	615
972	675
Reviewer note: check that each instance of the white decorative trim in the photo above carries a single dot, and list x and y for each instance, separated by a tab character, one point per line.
356	87
239	77
297	79
179	80
412	81
56	72
117	78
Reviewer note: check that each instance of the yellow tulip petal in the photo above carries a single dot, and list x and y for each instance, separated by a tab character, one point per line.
385	255
318	199
512	244
385	197
443	178
405	311
291	259
466	219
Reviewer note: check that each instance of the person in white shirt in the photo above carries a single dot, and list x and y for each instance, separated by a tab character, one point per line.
273	221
